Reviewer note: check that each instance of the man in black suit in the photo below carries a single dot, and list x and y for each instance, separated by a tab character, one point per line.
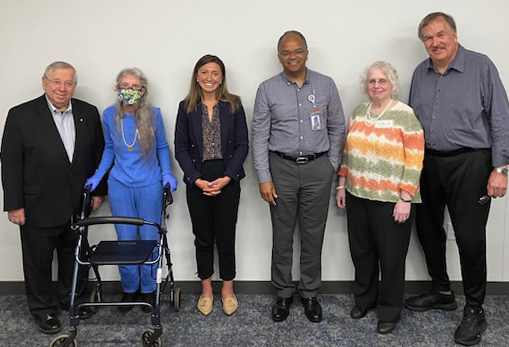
50	146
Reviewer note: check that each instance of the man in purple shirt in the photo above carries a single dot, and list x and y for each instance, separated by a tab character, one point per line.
298	136
462	105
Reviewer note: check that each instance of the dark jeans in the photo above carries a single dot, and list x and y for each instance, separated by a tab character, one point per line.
214	219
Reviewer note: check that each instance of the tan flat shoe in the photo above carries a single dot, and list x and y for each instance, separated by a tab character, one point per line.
230	305
205	305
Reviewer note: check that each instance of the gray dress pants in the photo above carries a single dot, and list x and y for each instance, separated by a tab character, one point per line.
303	195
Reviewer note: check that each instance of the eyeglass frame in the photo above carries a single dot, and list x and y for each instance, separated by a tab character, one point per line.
298	52
58	83
130	87
381	82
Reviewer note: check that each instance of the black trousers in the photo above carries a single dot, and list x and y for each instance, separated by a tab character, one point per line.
38	245
456	181
214	219
378	245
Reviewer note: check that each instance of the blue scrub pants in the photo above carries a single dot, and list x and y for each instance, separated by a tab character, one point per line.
142	202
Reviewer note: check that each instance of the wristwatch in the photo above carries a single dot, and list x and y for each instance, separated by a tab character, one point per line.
502	170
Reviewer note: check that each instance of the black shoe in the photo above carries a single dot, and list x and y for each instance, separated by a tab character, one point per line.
281	309
84	313
126	298
472	325
385	327
151	299
312	309
432	300
49	323
358	312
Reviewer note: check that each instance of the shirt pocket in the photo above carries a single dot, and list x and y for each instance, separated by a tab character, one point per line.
321	104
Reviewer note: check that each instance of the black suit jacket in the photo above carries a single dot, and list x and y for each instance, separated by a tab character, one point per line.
189	141
36	172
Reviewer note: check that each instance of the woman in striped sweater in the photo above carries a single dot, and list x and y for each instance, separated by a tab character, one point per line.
378	182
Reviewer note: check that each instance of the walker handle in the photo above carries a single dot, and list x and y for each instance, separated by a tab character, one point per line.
168	198
111	220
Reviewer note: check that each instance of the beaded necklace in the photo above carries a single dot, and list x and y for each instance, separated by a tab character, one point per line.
371	120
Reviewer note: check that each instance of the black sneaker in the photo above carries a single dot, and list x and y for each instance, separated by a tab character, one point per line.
151	299
432	300
472	325
126	298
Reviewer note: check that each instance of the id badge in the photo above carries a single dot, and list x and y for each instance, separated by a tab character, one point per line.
316	121
384	124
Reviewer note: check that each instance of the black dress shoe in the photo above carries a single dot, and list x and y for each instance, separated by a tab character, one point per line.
281	309
151	299
49	323
385	327
126	298
84	312
312	309
358	312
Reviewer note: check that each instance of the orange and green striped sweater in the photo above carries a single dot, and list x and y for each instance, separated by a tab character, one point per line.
383	157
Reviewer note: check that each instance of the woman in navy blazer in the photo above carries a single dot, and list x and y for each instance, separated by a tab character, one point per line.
211	143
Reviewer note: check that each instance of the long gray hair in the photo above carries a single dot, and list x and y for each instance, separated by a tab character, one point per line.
143	116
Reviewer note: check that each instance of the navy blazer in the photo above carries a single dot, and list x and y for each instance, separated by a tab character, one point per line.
189	141
36	172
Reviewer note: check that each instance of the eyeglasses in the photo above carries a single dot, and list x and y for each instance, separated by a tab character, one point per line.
382	82
58	83
127	86
297	52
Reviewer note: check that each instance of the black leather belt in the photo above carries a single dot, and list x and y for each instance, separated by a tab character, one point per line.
302	159
436	153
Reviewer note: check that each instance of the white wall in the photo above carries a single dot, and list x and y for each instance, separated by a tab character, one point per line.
166	38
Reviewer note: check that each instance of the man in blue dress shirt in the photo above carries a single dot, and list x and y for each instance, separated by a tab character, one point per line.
298	136
462	105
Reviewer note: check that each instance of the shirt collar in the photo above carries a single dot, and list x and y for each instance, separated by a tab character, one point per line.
55	110
289	81
458	63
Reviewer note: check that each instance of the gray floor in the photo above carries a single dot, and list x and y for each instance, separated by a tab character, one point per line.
252	325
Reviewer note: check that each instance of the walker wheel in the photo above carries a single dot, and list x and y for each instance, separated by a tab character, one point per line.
176	298
60	340
145	339
94	297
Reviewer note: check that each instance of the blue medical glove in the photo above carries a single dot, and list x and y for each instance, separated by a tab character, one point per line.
169	179
92	181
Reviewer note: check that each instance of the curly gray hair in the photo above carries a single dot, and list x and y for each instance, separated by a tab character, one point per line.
388	70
